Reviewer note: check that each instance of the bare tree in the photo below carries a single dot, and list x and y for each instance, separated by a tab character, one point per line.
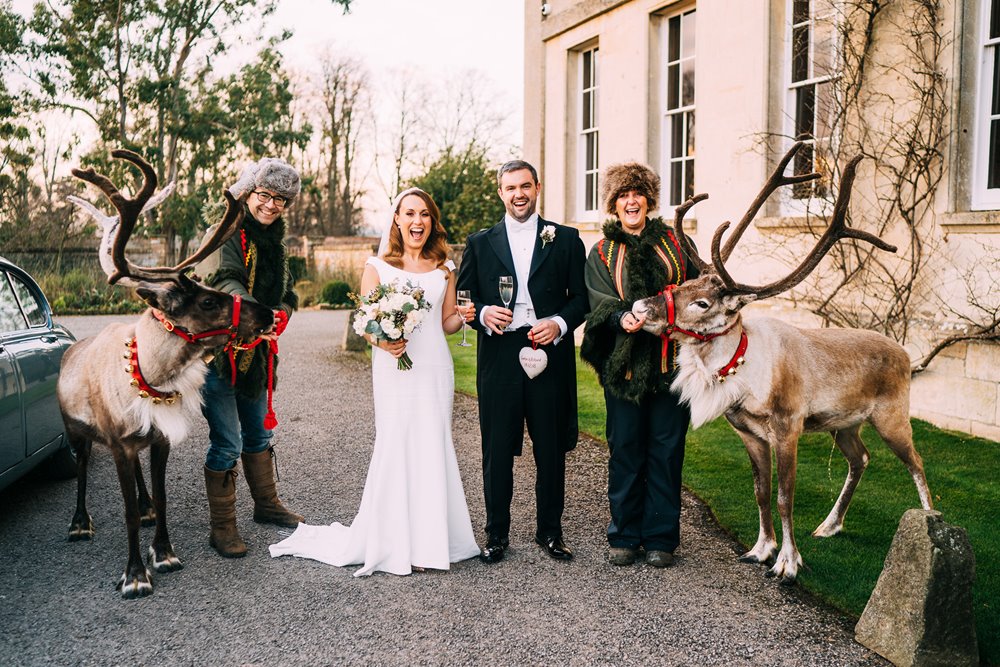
345	98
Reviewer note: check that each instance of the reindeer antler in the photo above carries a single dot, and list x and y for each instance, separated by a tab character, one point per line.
838	229
129	210
775	181
682	237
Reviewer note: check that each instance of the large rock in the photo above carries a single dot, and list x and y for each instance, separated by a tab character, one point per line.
920	612
352	341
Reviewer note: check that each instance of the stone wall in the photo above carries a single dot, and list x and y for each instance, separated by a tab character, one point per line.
960	390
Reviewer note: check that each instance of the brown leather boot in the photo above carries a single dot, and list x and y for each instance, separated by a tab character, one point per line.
260	478
221	490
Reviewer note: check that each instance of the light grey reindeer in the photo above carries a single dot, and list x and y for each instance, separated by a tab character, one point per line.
138	385
773	381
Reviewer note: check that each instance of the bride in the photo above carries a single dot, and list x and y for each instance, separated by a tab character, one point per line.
413	514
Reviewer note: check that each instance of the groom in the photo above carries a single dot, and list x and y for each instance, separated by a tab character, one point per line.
546	261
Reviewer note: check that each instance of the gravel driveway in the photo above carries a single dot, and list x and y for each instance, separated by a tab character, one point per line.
58	604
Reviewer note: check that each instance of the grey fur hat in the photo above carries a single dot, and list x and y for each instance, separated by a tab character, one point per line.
270	173
625	176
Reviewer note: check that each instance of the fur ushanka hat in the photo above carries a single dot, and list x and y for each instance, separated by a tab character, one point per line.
619	178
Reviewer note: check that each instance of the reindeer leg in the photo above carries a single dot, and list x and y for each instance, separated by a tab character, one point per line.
161	552
787	565
854	450
893	424
147	515
135	581
82	526
760	462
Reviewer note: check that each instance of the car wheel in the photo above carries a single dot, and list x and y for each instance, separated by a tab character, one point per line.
62	464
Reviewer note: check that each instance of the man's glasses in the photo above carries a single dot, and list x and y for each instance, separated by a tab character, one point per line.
265	197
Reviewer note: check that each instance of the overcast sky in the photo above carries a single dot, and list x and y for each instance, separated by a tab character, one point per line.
437	37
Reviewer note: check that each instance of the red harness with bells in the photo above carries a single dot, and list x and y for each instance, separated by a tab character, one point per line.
738	358
231	348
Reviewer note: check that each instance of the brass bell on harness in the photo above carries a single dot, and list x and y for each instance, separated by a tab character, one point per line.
740	361
143	394
156	400
732	371
128	368
134	382
169	400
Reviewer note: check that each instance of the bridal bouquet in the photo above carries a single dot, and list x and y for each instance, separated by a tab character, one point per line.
391	312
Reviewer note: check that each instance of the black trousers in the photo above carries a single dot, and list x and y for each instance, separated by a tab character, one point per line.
646	445
508	400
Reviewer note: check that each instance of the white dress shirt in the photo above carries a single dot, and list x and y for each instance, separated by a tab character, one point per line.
521	238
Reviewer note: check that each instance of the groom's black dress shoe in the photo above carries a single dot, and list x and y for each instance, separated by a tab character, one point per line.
495	549
556	547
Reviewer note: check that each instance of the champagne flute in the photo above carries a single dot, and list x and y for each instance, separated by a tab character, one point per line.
506	291
464	301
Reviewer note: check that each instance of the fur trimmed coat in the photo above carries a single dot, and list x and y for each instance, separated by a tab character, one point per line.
255	255
621	269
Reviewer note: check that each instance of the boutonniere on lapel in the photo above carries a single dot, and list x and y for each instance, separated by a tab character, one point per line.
548	234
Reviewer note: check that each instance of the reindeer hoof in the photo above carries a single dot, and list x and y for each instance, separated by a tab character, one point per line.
786	581
825	530
165	561
136	585
749	558
81	529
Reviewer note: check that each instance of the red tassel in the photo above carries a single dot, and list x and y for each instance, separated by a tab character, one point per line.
270	419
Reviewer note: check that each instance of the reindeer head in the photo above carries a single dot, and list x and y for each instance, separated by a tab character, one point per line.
185	302
701	306
709	305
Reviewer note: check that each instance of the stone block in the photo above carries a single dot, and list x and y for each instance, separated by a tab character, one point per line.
955	396
988	431
920	613
956	351
946	422
983	362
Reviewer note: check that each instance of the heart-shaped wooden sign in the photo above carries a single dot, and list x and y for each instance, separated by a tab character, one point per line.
533	361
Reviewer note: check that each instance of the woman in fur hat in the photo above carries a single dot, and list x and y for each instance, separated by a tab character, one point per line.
638	257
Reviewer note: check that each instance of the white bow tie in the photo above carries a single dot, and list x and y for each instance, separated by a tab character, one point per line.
521	228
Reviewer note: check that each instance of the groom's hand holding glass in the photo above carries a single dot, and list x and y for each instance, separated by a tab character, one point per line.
498	318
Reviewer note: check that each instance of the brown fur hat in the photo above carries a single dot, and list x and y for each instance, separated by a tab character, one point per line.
619	178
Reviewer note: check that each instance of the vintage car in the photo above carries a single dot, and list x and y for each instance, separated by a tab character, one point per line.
31	349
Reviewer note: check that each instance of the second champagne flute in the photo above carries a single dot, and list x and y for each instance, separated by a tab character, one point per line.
506	291
464	301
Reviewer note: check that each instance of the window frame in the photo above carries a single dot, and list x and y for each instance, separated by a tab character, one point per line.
987	92
686	112
792	205
584	171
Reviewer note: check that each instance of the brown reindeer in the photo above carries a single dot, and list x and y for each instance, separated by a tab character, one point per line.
138	385
772	381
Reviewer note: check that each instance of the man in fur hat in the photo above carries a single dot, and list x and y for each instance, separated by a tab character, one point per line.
638	257
253	263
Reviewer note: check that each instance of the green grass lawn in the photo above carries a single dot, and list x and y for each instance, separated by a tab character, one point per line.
961	472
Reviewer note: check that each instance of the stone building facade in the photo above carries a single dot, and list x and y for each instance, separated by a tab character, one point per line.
614	80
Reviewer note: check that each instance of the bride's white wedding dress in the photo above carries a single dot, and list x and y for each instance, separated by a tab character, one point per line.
413	510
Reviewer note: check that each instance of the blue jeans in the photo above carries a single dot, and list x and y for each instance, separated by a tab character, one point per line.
235	423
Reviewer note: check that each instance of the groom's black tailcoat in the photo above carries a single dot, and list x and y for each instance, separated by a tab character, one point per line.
508	399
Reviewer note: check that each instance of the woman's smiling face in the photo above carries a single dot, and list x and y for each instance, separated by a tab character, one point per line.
415	222
631	209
